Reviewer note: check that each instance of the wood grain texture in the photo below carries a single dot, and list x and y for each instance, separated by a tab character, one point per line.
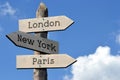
41	74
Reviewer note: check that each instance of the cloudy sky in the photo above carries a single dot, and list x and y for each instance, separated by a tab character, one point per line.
93	40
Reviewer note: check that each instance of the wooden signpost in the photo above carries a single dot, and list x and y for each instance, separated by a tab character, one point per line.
40	44
41	74
29	41
44	61
45	24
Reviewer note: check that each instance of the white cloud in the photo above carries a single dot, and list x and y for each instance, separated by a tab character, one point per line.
66	77
7	9
98	66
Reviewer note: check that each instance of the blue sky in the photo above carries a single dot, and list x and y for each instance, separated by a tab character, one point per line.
94	38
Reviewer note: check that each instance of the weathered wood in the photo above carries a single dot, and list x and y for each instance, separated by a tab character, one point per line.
41	74
44	61
29	41
45	24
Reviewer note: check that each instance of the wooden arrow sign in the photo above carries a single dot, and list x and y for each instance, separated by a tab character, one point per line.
29	41
44	24
44	61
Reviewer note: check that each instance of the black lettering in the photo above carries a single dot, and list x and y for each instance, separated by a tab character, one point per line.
31	42
29	25
24	40
52	61
57	23
39	61
40	24
48	61
53	48
43	45
34	60
35	25
39	43
46	24
48	46
19	38
44	61
51	23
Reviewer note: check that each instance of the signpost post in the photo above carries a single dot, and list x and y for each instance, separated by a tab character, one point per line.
41	74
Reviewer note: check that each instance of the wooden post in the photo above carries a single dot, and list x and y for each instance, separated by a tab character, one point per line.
41	74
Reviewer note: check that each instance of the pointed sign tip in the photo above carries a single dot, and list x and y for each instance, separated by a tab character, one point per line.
11	38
